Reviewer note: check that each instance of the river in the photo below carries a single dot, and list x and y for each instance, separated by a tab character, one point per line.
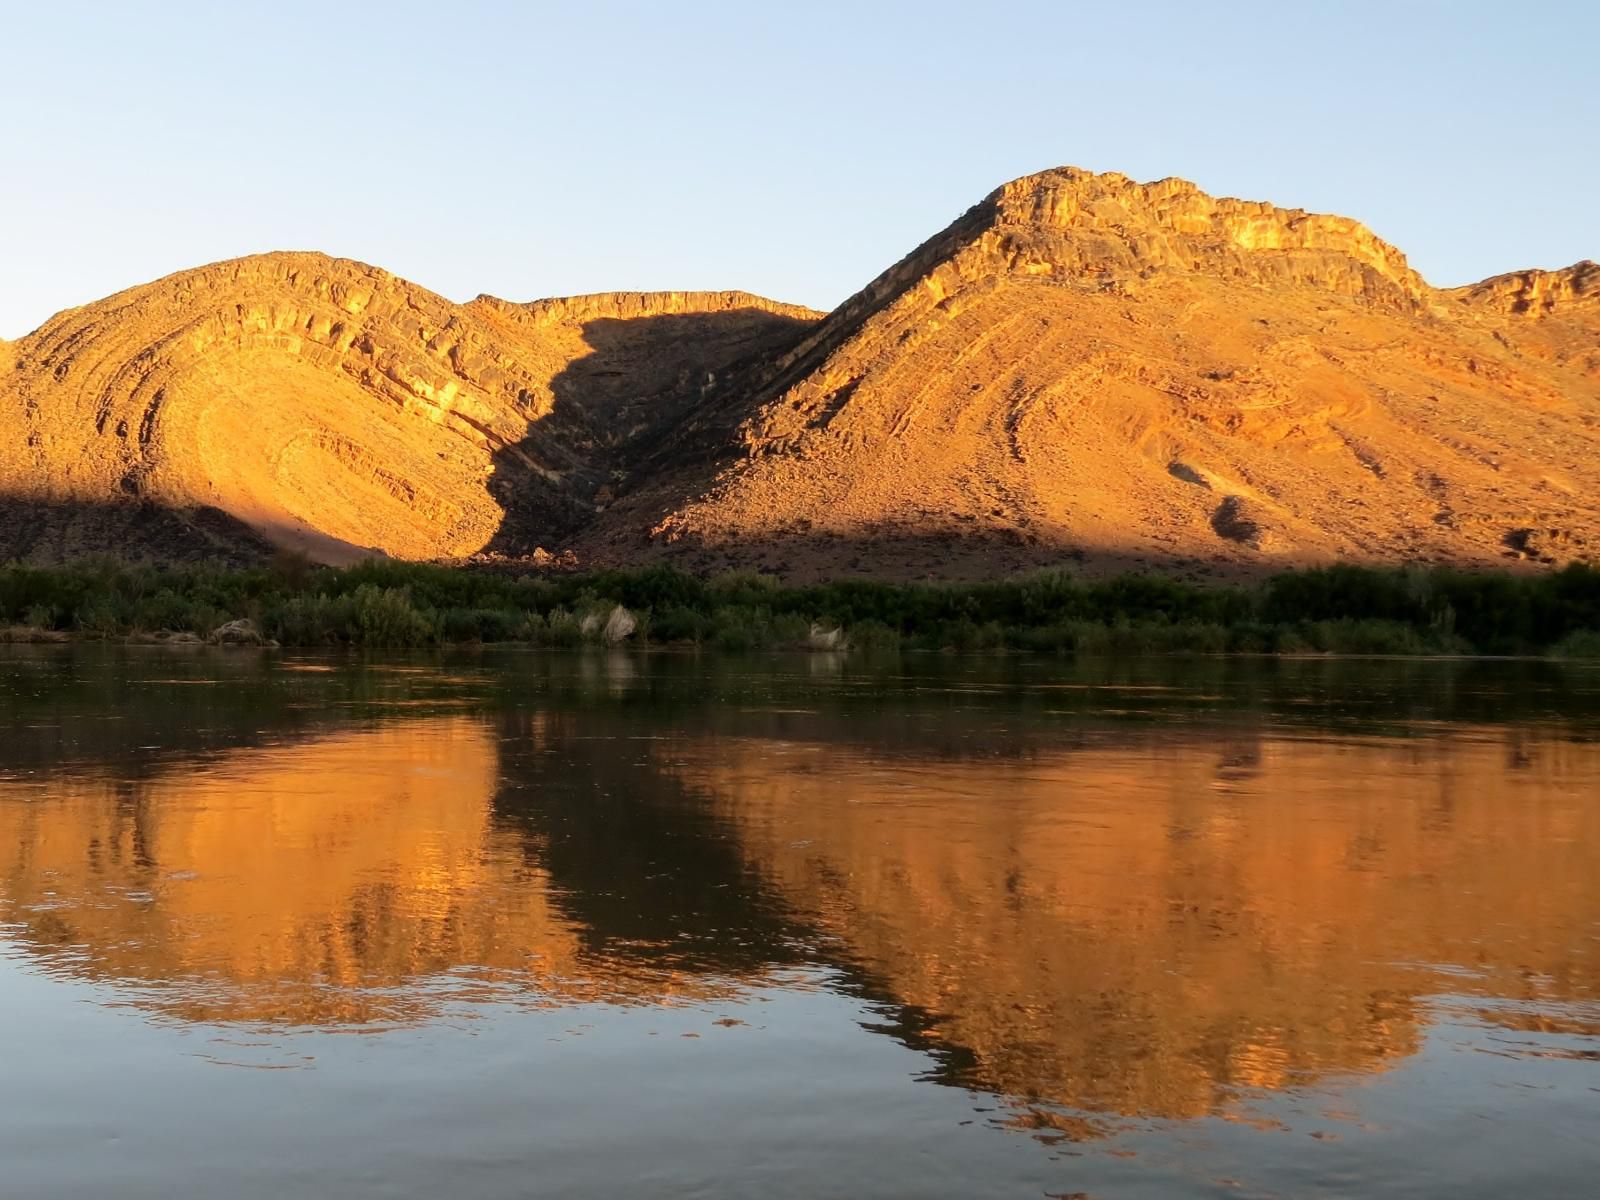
532	924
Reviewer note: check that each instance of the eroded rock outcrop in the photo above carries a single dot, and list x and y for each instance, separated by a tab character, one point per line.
1538	293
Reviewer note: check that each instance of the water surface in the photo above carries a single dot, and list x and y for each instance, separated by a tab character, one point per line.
516	924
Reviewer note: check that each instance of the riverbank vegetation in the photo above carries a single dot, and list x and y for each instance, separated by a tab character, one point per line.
1337	609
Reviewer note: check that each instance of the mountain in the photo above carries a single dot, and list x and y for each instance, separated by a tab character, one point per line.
1080	368
1133	373
326	405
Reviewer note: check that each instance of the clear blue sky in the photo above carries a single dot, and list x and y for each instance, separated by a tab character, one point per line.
791	149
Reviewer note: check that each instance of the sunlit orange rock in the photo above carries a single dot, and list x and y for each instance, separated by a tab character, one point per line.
1087	366
1081	368
325	405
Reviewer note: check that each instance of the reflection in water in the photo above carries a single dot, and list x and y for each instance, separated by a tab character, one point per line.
1142	929
338	880
1097	899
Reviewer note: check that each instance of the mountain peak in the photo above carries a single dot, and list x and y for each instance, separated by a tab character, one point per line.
1108	227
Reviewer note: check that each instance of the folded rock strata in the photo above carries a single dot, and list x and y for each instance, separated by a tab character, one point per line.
1079	369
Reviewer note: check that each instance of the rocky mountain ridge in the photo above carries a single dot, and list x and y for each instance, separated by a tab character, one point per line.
1080	368
329	405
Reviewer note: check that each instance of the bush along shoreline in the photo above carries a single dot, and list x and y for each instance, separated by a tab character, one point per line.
391	604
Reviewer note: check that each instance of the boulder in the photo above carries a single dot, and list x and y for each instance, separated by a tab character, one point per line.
620	626
825	639
242	632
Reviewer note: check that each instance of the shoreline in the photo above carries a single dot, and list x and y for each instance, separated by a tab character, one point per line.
14	637
1347	611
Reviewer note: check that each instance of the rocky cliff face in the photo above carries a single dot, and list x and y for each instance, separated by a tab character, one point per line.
1575	289
1109	230
1079	368
628	306
1106	232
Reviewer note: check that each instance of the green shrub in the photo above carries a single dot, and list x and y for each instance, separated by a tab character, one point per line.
165	609
481	625
100	618
385	617
678	623
1369	636
1192	637
874	638
1580	643
738	629
790	631
309	621
561	628
1338	609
